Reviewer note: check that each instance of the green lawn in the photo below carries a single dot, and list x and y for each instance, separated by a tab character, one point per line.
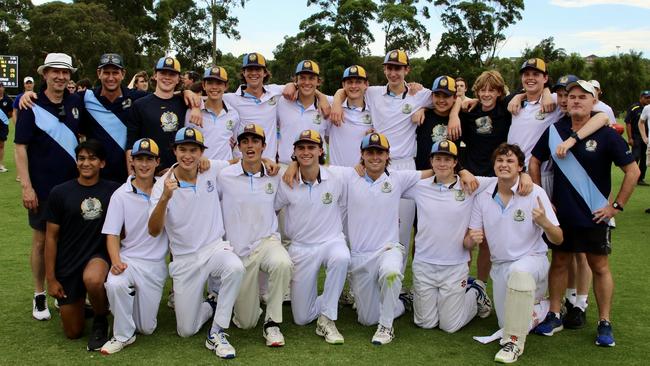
25	340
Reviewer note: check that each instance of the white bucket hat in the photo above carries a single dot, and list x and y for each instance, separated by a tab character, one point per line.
57	61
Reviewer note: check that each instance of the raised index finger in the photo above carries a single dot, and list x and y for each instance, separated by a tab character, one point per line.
539	202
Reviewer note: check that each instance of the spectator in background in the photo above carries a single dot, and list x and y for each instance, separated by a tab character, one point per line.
189	78
634	135
72	87
600	105
140	81
461	88
84	84
5	114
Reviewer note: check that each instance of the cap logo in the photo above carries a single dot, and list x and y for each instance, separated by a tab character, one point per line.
189	132
216	71
252	57
444	144
393	55
306	133
307	64
353	69
169	61
443	82
144	144
250	126
532	61
374	138
563	79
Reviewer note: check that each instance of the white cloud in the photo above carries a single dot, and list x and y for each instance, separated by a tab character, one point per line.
585	3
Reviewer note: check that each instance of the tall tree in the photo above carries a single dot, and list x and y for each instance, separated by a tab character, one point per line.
399	19
189	32
222	20
12	20
546	50
475	28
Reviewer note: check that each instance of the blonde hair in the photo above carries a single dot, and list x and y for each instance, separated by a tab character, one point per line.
492	79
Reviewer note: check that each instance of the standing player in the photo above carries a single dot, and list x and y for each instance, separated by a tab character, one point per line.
5	114
248	193
45	141
313	221
517	229
634	135
138	272
76	261
602	106
186	205
581	186
28	85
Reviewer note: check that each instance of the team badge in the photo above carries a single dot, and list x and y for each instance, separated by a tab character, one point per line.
230	125
252	57
591	145
126	103
307	64
406	109
169	121
317	119
459	196
215	71
374	138
393	55
438	133
532	61
269	188
210	187
540	115
273	100
91	208
443	82
366	119
519	215
169	61
353	69
75	113
484	125
144	144
386	187
327	198
563	80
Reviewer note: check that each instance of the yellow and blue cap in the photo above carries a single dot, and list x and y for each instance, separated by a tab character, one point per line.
189	135
309	136
253	59
396	57
216	73
375	140
563	81
145	146
355	71
252	129
444	84
168	63
535	64
445	147
308	67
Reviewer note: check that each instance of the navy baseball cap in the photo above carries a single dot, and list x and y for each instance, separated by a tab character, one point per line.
253	59
145	146
563	81
645	93
445	147
376	140
168	63
355	71
217	73
112	59
444	84
308	67
189	135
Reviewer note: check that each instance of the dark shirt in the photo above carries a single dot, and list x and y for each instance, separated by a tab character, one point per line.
157	119
115	168
17	100
595	154
48	163
632	117
432	130
6	104
79	211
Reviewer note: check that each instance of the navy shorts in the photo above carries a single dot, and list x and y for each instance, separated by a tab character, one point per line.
36	218
593	240
4	131
73	284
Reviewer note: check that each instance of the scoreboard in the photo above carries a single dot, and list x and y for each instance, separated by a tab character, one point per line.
9	71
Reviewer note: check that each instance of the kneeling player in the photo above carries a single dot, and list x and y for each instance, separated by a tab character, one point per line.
138	272
516	228
76	261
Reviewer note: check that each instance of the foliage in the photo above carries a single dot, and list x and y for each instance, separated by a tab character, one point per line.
401	26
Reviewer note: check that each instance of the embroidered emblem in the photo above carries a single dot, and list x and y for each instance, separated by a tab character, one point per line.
75	113
459	196
317	119
269	188
91	208
519	215
407	108
386	187
273	100
144	144
126	103
393	55
438	133
591	145
540	115
169	121
327	198
230	125
443	82
484	125
252	57
210	187
366	119
353	69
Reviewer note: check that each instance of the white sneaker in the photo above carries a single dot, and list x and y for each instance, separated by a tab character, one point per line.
114	346
326	328
218	343
383	335
3	169
39	308
273	336
483	302
170	300
509	353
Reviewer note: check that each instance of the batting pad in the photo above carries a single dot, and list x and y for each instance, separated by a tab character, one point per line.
520	298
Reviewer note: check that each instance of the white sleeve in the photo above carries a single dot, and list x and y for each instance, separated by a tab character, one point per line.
281	200
412	192
424	99
645	114
408	178
483	183
115	214
274	89
476	220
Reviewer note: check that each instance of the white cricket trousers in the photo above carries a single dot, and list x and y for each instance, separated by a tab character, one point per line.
272	258
190	273
307	259
406	211
536	265
134	296
376	280
440	297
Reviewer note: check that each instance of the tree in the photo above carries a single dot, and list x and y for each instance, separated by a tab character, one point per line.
475	27
188	33
545	50
12	20
621	78
222	21
401	26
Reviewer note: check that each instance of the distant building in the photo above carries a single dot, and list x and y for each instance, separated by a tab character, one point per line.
590	59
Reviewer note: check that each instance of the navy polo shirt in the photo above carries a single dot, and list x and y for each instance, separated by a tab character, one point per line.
596	153
115	169
6	104
49	163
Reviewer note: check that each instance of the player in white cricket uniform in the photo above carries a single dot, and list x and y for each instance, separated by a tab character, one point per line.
313	220
186	204
135	282
514	226
248	194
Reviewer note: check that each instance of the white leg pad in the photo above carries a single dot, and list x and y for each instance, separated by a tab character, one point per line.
520	298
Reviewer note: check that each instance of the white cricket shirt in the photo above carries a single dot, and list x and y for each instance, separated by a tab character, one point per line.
293	118
217	131
345	140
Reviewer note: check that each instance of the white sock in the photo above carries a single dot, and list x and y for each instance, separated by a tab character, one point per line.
570	294
39	293
215	329
581	302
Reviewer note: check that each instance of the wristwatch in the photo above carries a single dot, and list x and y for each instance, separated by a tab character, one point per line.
574	134
617	206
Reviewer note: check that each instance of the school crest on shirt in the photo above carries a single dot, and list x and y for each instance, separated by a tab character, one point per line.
519	215
407	108
230	124
540	115
75	113
269	188
273	100
591	145
484	125
327	198
386	187
366	119
210	186
169	121
317	119
459	196
438	133
91	208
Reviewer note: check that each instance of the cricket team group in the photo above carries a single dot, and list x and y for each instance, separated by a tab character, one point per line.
229	194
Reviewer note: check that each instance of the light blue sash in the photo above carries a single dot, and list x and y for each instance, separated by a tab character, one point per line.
576	174
107	119
58	131
4	118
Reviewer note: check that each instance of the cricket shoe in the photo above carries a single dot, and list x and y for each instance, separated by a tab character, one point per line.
407	299
575	318
509	353
272	334
383	335
218	343
212	301
325	327
114	346
549	326
483	302
605	336
39	308
170	300
99	334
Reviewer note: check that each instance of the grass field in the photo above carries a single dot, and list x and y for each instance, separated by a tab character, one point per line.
26	341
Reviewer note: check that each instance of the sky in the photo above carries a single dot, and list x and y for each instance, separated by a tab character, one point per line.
600	27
